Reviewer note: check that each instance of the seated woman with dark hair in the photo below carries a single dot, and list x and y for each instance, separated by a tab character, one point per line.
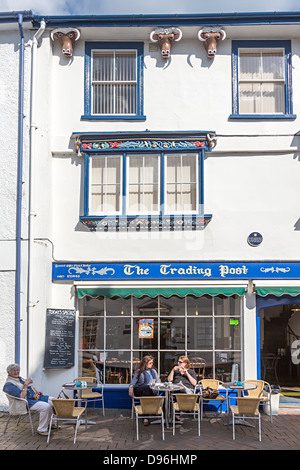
143	377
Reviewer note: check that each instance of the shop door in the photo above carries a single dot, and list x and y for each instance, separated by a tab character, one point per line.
280	345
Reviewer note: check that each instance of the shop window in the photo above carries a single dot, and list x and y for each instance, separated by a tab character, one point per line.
115	333
262	79
113	80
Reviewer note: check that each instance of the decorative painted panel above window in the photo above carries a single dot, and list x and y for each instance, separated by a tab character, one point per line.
146	181
113	81
261	78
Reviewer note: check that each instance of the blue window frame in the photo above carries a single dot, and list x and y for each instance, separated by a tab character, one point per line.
142	184
113	81
261	80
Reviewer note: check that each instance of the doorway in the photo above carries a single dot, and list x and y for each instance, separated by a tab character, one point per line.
279	325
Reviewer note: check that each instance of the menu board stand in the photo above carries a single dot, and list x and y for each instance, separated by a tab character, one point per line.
60	338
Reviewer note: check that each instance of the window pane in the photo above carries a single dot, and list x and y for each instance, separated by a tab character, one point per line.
181	183
272	98
250	65
199	333
105	198
249	98
197	358
273	65
143	176
103	66
125	66
145	306
227	333
172	333
228	366
140	339
118	333
167	361
230	306
199	305
91	333
117	367
118	307
125	99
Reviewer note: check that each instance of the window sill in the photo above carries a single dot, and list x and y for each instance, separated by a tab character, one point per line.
147	223
89	117
262	116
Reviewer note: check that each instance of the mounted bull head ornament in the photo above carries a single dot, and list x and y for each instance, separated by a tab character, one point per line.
66	38
210	36
164	37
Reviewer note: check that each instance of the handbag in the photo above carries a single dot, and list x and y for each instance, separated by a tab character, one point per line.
209	392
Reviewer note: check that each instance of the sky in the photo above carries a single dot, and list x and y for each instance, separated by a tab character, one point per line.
123	7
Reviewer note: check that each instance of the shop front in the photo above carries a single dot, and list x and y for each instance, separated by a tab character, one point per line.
167	309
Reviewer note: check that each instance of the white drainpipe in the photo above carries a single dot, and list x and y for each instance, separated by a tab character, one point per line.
32	214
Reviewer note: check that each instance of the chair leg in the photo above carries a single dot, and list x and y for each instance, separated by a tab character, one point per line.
163	426
31	425
233	427
137	427
103	410
76	428
259	429
49	431
199	431
9	416
173	422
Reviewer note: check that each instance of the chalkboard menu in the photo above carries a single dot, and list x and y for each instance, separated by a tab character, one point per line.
60	338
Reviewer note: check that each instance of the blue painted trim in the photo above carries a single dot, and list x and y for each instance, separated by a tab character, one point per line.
201	181
286	45
161	182
91	45
121	117
87	183
124	183
209	19
263	116
258	366
19	194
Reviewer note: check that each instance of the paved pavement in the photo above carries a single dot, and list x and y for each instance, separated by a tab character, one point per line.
115	433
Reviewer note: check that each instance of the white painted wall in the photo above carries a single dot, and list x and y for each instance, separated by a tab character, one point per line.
251	177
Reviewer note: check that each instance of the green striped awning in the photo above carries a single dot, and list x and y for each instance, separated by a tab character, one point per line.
278	291
155	291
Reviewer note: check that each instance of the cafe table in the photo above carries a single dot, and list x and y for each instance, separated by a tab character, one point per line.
78	389
242	387
167	388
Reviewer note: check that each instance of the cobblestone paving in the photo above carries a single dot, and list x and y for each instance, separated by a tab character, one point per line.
116	432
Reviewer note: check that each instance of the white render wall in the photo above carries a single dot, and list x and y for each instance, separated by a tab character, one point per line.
251	178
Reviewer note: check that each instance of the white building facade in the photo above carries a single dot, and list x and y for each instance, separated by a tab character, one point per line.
159	196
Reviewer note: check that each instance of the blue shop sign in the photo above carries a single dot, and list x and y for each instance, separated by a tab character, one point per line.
174	271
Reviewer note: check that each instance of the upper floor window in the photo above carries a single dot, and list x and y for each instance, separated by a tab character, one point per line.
261	79
113	81
138	183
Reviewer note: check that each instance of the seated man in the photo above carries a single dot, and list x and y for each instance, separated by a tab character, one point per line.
20	388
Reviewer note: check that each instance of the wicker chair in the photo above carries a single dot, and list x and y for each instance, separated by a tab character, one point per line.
25	411
150	407
89	395
212	383
258	393
186	404
247	408
65	410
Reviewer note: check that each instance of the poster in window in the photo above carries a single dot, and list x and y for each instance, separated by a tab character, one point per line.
146	328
